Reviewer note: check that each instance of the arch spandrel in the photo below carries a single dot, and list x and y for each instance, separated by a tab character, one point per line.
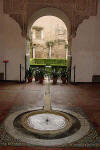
75	10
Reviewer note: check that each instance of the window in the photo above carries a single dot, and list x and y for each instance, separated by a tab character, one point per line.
38	33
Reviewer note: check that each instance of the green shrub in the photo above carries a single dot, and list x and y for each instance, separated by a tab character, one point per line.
32	61
63	73
54	74
38	65
48	62
29	73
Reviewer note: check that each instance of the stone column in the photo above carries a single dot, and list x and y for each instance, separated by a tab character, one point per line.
50	45
34	50
66	53
28	55
67	50
42	35
50	51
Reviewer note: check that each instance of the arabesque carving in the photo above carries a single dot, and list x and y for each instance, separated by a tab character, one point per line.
76	10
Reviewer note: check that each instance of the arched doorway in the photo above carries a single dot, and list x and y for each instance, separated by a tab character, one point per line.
49	11
49	39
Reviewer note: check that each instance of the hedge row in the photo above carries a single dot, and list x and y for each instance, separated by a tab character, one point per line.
49	62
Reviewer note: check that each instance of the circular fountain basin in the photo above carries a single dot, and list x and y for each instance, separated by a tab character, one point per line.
30	133
49	123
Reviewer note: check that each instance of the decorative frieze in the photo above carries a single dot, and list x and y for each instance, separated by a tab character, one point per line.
75	10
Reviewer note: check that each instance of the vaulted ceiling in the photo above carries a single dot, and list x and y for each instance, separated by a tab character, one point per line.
75	10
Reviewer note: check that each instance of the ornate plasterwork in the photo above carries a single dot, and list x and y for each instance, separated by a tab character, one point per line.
75	10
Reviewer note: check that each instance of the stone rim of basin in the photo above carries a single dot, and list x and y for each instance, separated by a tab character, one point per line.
67	118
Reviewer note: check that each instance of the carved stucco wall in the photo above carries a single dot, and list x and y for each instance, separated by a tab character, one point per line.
86	49
86	55
12	46
75	10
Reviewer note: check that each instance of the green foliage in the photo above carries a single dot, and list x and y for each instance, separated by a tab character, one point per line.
38	65
36	72
49	43
29	73
55	73
41	73
49	62
48	70
58	65
63	73
32	61
51	66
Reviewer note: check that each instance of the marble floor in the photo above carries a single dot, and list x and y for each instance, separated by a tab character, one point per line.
86	96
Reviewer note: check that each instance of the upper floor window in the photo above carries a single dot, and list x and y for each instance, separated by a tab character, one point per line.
38	33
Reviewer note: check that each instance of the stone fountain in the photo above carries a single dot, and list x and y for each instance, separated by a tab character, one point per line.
47	126
47	122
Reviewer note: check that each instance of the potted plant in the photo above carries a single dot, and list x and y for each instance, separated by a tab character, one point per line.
29	74
36	74
41	74
63	75
54	76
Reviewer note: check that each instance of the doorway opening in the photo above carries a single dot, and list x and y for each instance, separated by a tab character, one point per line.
48	44
49	39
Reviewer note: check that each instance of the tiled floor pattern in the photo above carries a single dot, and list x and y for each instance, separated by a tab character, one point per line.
85	96
90	140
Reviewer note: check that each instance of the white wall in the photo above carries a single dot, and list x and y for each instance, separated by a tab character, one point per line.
86	49
12	46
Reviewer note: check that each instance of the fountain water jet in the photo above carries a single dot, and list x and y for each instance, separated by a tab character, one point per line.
47	97
47	121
